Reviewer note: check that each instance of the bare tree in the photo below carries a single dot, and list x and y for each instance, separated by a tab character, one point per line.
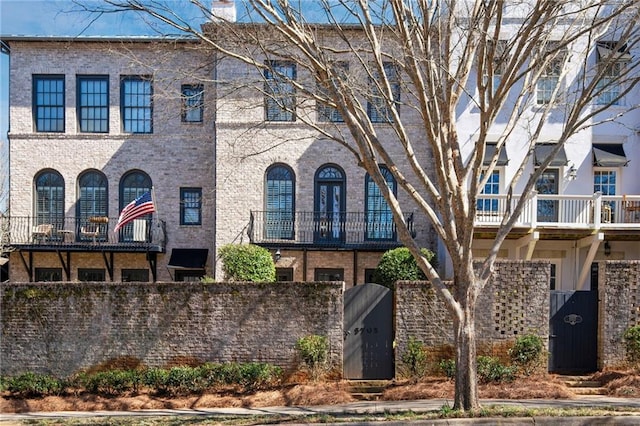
528	62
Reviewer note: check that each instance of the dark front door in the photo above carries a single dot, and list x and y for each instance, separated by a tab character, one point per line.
329	205
368	333
573	331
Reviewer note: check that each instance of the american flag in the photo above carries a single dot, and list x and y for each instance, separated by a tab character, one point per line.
138	207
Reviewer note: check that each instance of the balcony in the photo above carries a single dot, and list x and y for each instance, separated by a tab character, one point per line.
85	234
564	212
352	230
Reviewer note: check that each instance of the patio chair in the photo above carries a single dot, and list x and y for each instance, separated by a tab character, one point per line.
42	232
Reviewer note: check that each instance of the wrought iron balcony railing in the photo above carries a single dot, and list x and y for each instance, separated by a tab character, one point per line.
344	229
95	232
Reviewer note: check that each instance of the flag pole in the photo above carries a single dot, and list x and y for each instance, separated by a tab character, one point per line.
153	200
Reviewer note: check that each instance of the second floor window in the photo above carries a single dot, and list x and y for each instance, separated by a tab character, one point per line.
280	94
612	60
48	103
550	76
280	202
192	103
93	103
378	105
190	206
136	106
327	112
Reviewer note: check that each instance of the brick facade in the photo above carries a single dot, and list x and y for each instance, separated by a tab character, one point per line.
175	155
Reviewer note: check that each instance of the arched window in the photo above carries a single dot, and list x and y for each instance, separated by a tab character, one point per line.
49	199
132	185
279	202
329	204
378	215
92	195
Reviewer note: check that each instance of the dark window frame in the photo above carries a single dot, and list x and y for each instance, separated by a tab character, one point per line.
128	192
128	275
39	272
279	223
279	91
377	108
100	274
86	114
143	113
375	216
192	96
330	271
98	196
43	101
326	113
49	198
190	205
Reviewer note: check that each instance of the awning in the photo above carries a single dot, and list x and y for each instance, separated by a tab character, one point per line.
188	259
3	261
490	151
542	152
605	53
609	155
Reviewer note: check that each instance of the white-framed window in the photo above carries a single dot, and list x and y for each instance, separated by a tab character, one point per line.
498	64
612	58
492	186
550	75
605	181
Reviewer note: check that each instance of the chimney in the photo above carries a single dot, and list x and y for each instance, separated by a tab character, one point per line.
223	11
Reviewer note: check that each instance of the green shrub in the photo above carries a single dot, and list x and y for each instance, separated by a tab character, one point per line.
185	380
113	382
399	264
490	369
632	345
247	262
448	367
156	379
526	353
314	352
34	385
414	359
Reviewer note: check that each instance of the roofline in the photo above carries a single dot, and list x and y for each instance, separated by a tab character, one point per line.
98	39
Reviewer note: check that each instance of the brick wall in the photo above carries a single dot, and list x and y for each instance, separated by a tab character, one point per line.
618	308
514	302
62	328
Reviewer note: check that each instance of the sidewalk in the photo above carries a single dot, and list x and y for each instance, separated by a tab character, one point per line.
366	407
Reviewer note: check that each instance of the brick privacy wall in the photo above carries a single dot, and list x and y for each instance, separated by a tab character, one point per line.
62	328
618	308
514	302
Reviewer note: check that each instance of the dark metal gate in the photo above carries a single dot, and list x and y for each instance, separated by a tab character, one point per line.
368	332
573	328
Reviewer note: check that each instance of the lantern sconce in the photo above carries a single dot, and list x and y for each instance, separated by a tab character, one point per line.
573	172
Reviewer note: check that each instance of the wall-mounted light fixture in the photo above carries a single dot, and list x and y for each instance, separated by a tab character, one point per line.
277	255
573	172
607	248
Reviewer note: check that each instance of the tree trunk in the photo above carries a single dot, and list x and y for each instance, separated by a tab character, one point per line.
466	394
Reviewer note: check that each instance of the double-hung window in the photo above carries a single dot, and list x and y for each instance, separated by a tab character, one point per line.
192	103
190	206
612	59
328	113
604	181
494	71
279	91
379	106
136	104
93	103
48	103
550	76
485	205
